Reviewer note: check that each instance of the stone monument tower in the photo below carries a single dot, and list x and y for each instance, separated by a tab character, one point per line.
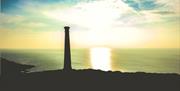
67	50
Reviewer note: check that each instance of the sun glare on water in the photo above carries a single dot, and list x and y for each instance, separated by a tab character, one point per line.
100	58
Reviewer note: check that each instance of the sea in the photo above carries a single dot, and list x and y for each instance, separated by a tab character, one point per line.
157	60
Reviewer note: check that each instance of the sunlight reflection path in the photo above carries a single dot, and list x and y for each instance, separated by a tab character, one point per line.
100	58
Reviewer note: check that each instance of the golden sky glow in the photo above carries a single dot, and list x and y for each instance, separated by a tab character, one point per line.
105	23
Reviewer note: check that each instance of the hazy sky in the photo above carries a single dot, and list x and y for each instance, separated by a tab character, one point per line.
105	23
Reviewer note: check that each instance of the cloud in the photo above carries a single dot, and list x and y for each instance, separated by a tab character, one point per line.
92	14
163	12
104	13
95	14
170	5
10	21
142	4
117	22
100	14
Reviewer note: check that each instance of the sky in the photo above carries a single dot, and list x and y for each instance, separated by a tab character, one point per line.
38	24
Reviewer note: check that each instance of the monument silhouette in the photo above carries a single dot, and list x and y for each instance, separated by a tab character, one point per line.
67	51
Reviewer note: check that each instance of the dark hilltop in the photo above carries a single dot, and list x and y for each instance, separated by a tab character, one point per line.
17	78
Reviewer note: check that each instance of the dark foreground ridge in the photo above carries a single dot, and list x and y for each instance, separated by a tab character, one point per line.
86	80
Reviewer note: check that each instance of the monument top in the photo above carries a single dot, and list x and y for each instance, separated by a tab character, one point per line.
66	27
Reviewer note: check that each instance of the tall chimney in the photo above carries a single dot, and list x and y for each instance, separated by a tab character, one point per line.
67	51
